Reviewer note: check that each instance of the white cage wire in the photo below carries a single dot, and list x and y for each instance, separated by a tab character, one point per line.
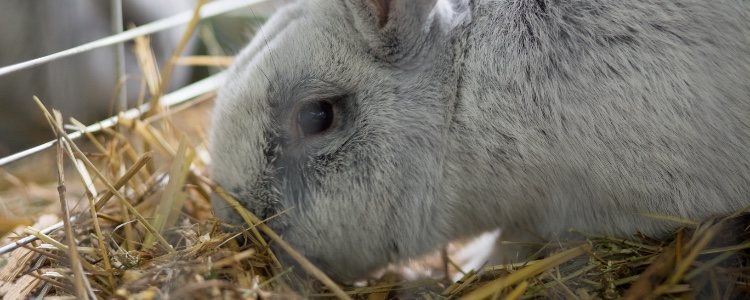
180	96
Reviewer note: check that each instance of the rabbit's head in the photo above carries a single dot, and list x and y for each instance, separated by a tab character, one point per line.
335	118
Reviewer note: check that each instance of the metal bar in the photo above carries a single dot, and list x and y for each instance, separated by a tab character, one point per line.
177	97
23	241
209	10
122	96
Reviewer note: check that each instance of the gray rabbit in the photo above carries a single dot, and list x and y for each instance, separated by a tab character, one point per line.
383	129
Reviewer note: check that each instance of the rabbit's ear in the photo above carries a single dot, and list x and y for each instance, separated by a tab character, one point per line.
397	11
381	9
393	28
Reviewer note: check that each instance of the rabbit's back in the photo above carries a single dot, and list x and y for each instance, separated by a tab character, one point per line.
592	112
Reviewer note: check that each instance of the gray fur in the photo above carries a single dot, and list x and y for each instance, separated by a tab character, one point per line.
529	115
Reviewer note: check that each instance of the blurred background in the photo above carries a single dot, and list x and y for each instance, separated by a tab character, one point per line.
85	86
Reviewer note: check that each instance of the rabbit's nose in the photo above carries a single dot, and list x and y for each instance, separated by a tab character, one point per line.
225	210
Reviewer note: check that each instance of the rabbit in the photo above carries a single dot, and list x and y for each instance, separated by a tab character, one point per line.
373	131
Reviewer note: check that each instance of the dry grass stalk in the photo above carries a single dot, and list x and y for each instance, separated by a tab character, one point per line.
19	259
672	219
147	64
20	289
254	221
82	286
61	133
91	195
169	67
527	272
202	60
517	292
150	136
45	238
173	198
654	274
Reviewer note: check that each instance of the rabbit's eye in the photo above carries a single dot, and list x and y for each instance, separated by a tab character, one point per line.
315	117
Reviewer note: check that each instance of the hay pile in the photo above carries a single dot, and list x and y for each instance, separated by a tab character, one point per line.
134	202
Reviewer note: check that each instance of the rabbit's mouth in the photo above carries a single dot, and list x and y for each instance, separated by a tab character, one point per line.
265	208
